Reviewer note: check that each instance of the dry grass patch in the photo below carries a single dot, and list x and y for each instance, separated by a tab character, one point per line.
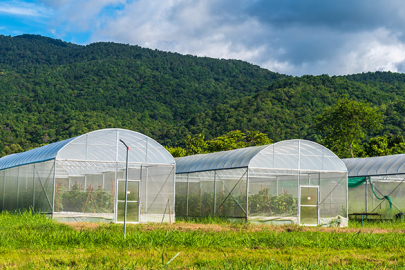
184	226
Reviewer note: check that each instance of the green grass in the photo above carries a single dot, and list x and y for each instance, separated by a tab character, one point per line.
33	241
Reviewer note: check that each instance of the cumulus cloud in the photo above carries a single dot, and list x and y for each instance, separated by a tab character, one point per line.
288	36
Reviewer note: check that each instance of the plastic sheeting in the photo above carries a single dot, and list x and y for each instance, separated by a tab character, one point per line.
285	155
375	166
100	145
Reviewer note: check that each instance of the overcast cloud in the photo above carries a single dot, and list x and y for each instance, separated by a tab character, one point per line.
289	36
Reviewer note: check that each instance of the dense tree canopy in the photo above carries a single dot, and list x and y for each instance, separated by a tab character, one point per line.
52	90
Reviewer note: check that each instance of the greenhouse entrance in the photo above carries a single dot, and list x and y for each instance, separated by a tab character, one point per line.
309	205
133	198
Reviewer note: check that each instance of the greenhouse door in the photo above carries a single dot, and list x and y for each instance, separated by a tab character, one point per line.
133	206
309	205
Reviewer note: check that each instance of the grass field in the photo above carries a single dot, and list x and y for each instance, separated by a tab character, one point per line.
35	242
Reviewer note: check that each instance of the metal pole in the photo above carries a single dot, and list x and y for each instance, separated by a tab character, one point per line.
18	184
215	185
366	196
247	194
126	190
188	188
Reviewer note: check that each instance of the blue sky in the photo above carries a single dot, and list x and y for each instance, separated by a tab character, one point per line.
288	36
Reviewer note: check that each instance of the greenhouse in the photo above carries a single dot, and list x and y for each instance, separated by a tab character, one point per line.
294	181
83	179
376	186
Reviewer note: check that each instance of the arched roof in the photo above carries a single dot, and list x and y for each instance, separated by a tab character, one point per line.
290	155
101	145
375	166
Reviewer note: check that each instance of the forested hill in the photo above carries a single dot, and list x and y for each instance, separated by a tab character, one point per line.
287	109
52	90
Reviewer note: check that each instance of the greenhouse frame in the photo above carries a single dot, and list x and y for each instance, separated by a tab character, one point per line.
294	181
83	179
376	186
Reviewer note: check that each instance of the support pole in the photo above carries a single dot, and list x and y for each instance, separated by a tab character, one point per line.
215	191
126	190
188	188
247	194
366	197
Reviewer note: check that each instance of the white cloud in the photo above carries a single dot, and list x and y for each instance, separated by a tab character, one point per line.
20	8
287	36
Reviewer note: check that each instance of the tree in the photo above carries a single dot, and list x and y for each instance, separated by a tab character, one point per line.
346	123
196	145
385	145
177	151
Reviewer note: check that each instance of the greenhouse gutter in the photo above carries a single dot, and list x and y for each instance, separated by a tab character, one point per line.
112	162
385	174
260	168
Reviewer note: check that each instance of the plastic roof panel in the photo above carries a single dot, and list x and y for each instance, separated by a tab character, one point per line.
375	166
100	145
285	155
40	154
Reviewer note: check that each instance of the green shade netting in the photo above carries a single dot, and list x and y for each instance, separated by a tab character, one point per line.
357	181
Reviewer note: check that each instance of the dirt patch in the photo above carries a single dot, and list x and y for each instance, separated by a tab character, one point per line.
236	228
84	225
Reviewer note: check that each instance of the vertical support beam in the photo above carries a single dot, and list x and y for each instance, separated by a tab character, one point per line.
146	187
366	197
200	197
299	188
188	190
18	184
215	191
54	186
103	180
247	193
33	188
146	194
174	194
115	185
347	195
318	206
140	196
4	188
126	193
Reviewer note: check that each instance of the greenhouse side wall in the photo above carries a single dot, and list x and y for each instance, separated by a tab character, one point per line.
84	191
273	196
392	186
27	187
157	196
221	193
333	198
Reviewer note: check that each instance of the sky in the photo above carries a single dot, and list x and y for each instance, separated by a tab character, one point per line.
292	37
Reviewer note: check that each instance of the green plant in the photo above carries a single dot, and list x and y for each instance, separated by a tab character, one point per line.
90	201
234	205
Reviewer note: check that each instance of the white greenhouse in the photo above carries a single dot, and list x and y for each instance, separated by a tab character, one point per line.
294	181
83	179
376	186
